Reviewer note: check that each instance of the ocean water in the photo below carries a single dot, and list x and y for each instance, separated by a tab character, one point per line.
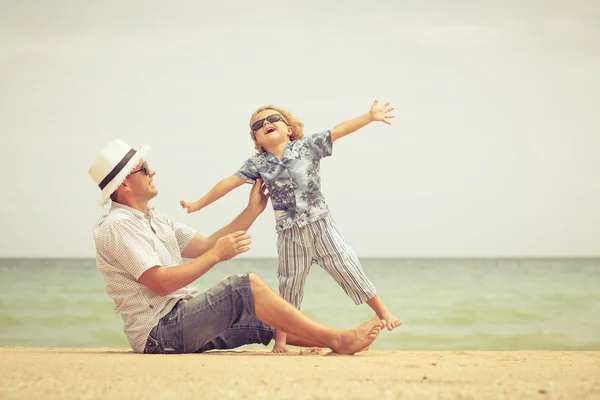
445	304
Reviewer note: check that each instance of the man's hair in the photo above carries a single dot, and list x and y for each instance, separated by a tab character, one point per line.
296	125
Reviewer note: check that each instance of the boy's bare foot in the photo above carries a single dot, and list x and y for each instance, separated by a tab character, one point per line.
279	348
362	336
191	206
392	322
376	305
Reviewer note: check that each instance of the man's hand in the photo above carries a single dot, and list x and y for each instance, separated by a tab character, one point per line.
381	113
231	245
258	197
164	281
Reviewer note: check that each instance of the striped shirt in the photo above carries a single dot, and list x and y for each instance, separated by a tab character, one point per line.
128	244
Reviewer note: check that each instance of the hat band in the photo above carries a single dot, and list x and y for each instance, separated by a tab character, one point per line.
116	169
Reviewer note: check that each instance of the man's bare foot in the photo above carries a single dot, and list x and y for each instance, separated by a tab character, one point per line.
280	348
191	206
354	340
392	322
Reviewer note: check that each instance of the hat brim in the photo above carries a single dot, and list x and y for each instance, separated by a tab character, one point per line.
120	177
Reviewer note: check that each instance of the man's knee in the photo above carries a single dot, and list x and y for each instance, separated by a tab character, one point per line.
256	282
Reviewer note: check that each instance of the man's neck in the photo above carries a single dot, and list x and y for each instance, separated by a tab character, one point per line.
140	206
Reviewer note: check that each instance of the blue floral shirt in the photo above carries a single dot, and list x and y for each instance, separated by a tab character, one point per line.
294	182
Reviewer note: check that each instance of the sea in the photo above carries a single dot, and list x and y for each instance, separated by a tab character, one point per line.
445	304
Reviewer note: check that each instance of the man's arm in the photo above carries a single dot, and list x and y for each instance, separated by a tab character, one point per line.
256	205
375	114
222	245
163	281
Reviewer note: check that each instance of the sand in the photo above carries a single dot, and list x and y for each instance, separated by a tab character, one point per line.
112	373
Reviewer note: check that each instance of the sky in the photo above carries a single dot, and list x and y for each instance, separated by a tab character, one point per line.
493	152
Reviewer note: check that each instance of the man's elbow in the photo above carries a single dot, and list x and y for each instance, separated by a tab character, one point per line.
156	280
161	290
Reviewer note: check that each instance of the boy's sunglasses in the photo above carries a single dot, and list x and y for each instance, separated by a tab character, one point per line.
271	118
144	168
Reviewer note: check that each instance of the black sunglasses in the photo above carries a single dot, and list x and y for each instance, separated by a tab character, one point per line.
144	168
271	118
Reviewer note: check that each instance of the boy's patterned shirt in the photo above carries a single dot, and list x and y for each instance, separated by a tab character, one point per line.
294	182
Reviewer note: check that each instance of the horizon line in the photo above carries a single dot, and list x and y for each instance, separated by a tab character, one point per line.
554	257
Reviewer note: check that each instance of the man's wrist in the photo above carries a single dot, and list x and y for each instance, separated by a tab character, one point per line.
213	256
253	211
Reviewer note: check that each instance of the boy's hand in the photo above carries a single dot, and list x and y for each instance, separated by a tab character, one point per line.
191	206
381	113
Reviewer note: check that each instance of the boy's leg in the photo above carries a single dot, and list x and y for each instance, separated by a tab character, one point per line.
335	255
273	310
380	309
295	259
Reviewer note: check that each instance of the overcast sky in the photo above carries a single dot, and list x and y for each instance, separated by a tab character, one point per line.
494	151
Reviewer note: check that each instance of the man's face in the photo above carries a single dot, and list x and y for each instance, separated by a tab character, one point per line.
140	182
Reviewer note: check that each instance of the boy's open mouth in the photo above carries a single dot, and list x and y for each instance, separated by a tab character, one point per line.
269	130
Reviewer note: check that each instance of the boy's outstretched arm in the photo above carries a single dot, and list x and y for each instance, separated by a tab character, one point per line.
219	190
376	113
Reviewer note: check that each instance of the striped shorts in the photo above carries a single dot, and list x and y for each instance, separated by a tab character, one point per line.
319	242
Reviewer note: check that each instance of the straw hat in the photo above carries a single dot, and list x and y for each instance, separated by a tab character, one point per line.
113	165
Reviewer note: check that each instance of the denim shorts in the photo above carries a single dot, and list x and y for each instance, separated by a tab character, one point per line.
220	318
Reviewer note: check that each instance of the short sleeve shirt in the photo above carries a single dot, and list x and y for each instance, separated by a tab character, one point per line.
128	244
294	182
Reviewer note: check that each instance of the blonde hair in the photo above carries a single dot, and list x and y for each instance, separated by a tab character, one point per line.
296	125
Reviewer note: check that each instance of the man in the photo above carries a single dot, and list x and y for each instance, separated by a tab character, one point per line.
139	253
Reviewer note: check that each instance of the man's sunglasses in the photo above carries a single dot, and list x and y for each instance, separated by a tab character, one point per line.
144	168
271	118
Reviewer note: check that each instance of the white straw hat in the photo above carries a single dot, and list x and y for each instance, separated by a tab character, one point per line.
113	165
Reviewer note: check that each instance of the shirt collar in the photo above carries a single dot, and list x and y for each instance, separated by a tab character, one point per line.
132	211
284	155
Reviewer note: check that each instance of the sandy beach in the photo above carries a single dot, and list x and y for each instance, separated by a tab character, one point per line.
111	373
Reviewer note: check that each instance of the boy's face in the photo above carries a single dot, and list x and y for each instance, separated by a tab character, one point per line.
271	133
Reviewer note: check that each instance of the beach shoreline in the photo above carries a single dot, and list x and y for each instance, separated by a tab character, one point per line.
75	373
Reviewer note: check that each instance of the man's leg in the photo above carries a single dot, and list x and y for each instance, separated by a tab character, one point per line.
273	310
251	331
300	342
248	331
222	318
